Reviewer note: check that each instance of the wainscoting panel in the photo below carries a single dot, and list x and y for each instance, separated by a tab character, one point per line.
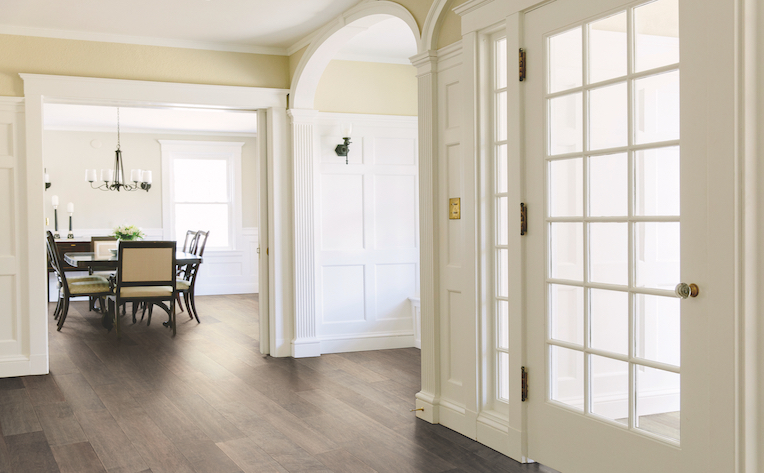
368	239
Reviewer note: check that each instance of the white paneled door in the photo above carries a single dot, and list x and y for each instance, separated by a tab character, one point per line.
621	368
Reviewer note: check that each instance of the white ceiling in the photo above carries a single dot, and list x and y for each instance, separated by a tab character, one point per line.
255	26
389	41
100	118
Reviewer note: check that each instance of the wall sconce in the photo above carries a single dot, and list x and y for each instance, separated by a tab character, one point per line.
46	179
343	149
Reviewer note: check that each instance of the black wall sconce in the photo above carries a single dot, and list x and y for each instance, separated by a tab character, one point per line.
343	149
46	179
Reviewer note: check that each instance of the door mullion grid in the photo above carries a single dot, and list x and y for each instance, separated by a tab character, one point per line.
585	200
630	212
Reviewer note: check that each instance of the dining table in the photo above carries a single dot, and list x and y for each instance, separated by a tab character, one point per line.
91	261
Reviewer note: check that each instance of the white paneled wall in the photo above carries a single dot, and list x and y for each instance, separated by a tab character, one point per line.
20	353
367	233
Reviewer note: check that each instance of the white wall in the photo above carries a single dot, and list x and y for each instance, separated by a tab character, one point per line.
68	153
367	233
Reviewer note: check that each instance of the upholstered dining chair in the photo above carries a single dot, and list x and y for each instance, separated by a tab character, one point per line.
187	282
145	274
68	287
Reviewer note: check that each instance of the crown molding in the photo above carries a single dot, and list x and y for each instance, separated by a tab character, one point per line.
141	40
470	6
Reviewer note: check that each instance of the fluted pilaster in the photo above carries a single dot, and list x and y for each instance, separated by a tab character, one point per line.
428	397
305	342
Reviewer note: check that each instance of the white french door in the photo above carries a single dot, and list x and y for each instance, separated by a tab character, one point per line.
616	172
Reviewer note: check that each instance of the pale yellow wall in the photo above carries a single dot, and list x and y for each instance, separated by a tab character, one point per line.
451	28
128	61
418	9
66	155
366	87
294	60
450	31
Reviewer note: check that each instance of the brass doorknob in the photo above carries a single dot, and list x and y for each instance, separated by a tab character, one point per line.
687	290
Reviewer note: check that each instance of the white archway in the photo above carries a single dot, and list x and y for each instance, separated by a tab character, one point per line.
304	84
324	48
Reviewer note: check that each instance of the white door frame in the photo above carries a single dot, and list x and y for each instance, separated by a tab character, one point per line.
39	89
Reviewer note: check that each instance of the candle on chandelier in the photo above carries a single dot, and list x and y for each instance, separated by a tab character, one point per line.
90	175
147	177
135	175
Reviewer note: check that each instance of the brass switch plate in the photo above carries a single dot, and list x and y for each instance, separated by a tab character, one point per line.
455	208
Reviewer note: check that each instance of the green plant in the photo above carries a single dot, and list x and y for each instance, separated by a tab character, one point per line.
128	233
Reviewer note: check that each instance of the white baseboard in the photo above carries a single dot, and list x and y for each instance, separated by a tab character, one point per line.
222	289
365	342
19	365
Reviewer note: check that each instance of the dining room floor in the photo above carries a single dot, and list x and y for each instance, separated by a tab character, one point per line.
208	401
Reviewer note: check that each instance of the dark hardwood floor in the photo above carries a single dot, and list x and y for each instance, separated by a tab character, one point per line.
207	401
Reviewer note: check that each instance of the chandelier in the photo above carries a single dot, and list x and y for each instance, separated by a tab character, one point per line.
114	179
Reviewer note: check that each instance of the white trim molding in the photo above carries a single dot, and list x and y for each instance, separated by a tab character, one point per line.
429	396
305	342
39	89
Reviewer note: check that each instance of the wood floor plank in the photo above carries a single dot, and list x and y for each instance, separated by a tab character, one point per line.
60	425
30	453
110	443
77	458
340	461
78	392
206	457
249	457
17	415
157	450
42	390
174	422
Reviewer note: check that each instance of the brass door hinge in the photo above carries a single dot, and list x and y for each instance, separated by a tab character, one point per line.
522	64
524	374
523	219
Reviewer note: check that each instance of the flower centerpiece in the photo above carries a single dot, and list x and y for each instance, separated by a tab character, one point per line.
128	233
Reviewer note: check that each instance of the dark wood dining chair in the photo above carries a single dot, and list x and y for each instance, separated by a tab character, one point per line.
145	274
187	283
101	246
68	286
189	246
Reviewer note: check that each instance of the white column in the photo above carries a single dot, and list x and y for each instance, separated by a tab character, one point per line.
429	396
305	342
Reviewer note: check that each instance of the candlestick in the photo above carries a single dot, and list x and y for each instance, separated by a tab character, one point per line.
55	220
54	201
70	207
70	235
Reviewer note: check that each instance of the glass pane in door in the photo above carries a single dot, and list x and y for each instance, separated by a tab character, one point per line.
613	220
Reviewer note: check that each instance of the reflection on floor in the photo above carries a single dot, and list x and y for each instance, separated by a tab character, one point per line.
207	401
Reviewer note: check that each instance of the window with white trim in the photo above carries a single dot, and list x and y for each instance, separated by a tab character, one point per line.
201	190
499	240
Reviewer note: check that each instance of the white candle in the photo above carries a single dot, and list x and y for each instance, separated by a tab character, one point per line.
70	207
107	175
135	175
347	129
46	178
90	175
54	200
147	177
